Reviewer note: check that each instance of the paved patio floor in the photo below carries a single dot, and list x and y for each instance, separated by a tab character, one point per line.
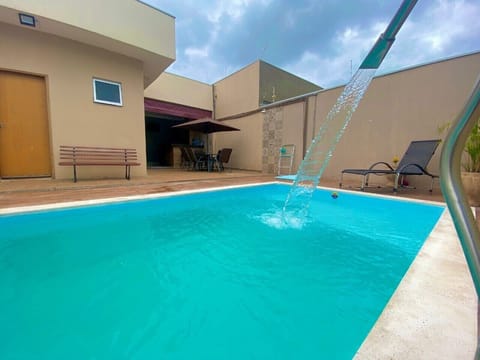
23	192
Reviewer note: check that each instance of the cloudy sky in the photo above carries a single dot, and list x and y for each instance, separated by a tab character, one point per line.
323	41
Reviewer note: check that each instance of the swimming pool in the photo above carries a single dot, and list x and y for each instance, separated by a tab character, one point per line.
203	276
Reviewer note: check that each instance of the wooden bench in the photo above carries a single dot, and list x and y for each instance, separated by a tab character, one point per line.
97	156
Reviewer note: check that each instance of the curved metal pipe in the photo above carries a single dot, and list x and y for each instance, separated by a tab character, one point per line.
450	182
385	41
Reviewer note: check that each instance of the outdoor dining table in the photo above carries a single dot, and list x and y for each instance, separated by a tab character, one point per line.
208	158
211	158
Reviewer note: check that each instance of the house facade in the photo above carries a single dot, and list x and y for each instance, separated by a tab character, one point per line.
237	99
74	73
398	107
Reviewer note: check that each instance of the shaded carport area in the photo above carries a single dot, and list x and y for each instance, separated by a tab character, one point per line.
160	116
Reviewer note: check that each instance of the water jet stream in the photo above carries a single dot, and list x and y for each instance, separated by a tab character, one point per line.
321	149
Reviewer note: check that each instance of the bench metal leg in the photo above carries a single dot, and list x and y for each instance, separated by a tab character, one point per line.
127	172
74	173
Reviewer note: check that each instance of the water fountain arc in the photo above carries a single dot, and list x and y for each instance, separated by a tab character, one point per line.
321	149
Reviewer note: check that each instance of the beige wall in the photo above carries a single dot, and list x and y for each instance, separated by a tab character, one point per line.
180	90
74	118
246	143
238	93
283	125
126	27
131	22
396	109
258	142
405	106
279	84
293	128
260	82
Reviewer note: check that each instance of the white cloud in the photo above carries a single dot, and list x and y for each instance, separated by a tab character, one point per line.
290	20
199	62
437	34
337	67
450	21
195	53
436	29
232	9
348	35
446	29
322	71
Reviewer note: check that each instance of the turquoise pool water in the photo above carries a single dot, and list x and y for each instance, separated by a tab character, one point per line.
203	276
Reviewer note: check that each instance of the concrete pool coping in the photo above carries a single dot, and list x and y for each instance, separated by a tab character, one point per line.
432	313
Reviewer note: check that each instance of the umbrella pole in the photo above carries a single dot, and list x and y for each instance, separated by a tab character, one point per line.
209	160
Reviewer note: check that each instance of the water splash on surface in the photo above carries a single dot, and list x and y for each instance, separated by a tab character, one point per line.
321	149
280	219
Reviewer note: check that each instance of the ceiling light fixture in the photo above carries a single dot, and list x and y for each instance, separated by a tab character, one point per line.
28	20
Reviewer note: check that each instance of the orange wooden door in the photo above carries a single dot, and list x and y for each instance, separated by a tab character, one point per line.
24	134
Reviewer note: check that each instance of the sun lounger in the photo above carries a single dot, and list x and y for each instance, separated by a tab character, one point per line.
413	162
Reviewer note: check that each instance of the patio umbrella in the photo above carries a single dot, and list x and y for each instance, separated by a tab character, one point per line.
206	126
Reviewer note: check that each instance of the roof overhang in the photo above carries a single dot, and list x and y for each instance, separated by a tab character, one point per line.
132	29
178	110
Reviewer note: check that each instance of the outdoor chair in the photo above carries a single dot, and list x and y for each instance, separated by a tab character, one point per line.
187	162
197	160
223	157
413	162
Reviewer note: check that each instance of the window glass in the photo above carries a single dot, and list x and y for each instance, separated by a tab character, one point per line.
107	92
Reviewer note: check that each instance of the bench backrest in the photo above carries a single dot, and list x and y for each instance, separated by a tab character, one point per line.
97	154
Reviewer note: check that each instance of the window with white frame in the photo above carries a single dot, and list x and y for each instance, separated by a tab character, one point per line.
107	92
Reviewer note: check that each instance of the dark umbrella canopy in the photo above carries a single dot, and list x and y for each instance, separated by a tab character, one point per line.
206	126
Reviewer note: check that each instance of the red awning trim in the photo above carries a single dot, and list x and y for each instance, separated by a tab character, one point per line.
166	108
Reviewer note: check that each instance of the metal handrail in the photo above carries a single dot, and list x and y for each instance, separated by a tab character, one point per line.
452	189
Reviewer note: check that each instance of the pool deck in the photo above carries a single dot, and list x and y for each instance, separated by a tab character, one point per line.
432	315
25	192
